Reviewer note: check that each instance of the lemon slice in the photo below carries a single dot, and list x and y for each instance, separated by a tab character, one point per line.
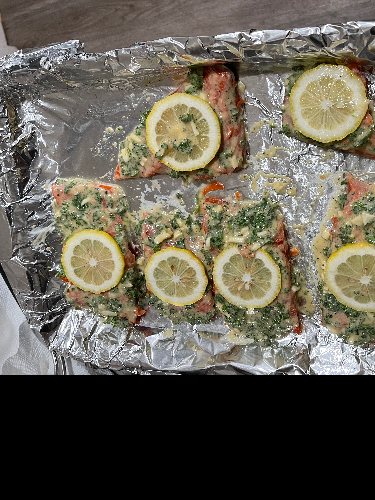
93	261
176	276
183	131
250	282
328	102
350	276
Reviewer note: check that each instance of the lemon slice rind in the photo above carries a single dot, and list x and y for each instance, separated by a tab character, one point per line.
93	261
252	275
343	271
183	131
328	103
176	268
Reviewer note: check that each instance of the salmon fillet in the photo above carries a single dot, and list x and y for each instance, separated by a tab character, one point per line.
353	221
251	225
360	142
79	205
218	86
161	230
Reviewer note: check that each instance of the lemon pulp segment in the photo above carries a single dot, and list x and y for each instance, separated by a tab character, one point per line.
93	261
183	131
328	102
350	276
250	282
176	276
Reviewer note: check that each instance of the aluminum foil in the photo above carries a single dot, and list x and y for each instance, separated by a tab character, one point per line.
60	110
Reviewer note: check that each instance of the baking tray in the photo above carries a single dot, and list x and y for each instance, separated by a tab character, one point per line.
59	117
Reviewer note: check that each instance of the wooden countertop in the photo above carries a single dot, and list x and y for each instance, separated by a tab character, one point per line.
110	24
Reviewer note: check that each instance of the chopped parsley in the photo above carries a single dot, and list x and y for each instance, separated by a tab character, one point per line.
345	234
215	225
130	158
342	200
186	118
184	146
264	326
196	82
69	186
258	218
138	291
361	136
77	202
142	122
370	236
365	204
358	332
297	72
224	157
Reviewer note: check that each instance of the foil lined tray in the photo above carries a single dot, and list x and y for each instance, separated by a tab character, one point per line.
60	109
